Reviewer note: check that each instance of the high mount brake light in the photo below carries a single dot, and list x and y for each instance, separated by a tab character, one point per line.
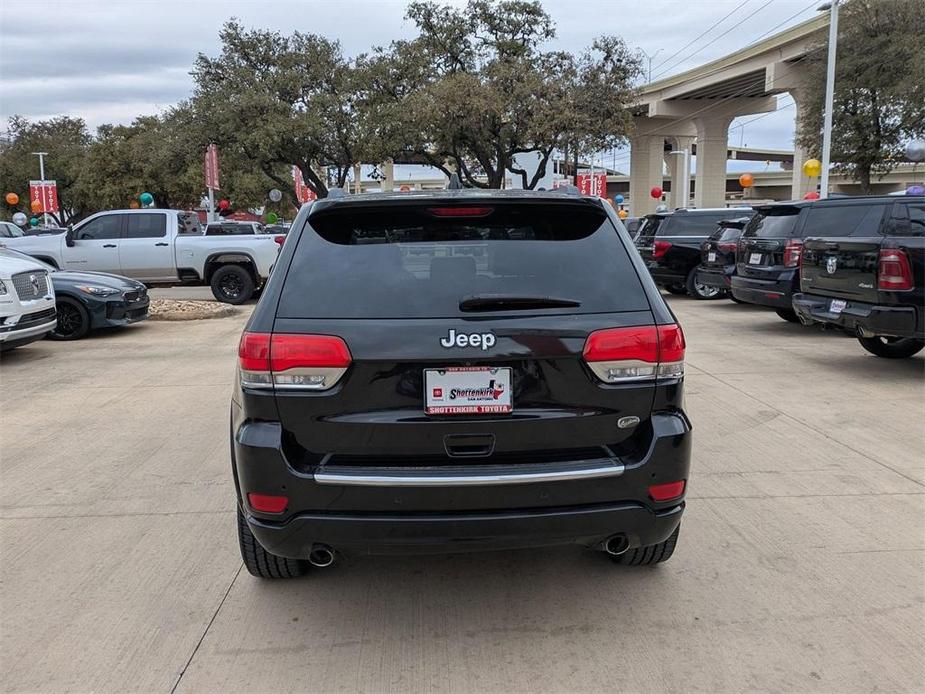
640	353
894	273
292	362
460	211
660	248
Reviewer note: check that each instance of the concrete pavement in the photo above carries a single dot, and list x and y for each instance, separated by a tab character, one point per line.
800	565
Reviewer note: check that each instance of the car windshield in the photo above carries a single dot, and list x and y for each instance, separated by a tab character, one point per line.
425	261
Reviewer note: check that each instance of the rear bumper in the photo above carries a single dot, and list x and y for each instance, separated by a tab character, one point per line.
774	293
865	320
459	516
720	277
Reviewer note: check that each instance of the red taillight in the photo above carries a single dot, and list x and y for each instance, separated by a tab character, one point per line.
894	273
303	362
280	239
660	249
667	491
638	353
792	252
267	503
460	211
727	247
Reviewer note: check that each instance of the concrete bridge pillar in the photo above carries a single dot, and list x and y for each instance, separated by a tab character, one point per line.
646	161
388	175
712	148
678	168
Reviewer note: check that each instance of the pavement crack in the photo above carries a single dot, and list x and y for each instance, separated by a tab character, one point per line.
206	630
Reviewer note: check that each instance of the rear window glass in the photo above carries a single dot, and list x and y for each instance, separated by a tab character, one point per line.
844	220
726	234
702	224
405	262
773	224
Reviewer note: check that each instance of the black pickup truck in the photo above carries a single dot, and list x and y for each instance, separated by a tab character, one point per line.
869	277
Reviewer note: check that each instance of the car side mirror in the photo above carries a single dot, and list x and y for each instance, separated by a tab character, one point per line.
69	237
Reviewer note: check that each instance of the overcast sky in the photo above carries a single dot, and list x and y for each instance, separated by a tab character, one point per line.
108	61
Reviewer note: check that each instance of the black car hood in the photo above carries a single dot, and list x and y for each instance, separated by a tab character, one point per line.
67	278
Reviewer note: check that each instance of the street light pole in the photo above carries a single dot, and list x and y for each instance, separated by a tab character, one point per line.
829	98
41	156
651	58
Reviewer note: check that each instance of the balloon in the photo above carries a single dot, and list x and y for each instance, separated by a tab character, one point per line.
618	199
146	199
746	180
915	190
36	206
405	188
656	192
812	167
811	195
276	195
623	214
12	199
134	205
223	204
272	218
34	221
19	219
915	151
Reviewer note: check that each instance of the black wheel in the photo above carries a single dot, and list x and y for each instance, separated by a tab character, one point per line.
676	289
73	320
232	284
788	314
892	347
652	554
701	291
261	563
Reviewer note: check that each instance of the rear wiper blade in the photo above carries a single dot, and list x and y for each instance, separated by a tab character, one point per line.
513	302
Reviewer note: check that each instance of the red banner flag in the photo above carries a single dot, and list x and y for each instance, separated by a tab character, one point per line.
211	165
302	191
592	185
46	193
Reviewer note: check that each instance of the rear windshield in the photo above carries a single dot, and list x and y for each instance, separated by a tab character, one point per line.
726	234
407	262
773	224
700	224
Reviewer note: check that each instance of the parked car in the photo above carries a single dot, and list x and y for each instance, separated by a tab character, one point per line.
8	230
159	247
632	226
718	254
232	228
863	270
27	301
524	395
88	301
669	243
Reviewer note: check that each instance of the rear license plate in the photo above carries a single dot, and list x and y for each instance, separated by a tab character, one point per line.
754	259
711	257
837	305
467	390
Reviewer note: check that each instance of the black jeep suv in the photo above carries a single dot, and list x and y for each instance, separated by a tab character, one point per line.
669	243
863	270
458	370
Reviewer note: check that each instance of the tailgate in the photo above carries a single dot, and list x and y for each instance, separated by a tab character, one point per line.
841	267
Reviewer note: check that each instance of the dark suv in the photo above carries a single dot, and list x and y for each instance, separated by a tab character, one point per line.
458	370
718	254
863	270
669	243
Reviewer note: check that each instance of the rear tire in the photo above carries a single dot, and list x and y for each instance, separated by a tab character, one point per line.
73	320
261	563
652	554
232	284
701	291
892	347
788	314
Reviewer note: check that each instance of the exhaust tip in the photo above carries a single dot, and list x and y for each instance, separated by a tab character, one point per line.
616	545
321	556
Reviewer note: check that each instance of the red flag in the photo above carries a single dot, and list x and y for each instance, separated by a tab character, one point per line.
211	166
588	185
302	191
45	192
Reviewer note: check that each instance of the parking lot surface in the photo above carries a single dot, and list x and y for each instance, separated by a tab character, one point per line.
800	564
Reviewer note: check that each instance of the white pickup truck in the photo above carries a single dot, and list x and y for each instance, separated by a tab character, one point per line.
160	247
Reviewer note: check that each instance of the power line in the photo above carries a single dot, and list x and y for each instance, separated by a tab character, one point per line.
778	26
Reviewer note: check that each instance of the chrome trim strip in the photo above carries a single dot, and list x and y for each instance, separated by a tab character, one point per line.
367	478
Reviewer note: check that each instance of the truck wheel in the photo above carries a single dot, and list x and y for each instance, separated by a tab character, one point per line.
261	563
788	314
73	321
701	291
892	347
652	554
232	284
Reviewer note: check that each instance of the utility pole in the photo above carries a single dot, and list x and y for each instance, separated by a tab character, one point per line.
651	58
41	156
829	96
